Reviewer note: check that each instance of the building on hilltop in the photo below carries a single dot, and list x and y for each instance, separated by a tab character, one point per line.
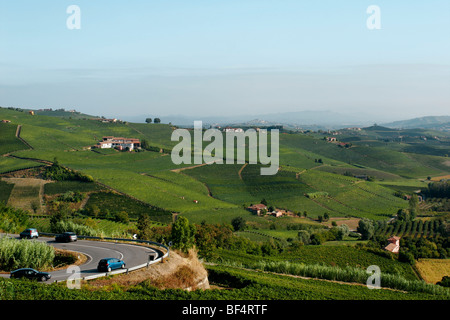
394	244
119	143
230	129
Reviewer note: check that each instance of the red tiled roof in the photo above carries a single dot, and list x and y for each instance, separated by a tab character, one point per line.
390	247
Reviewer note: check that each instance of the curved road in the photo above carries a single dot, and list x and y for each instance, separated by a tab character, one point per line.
132	255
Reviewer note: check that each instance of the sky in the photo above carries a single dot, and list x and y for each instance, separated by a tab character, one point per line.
226	57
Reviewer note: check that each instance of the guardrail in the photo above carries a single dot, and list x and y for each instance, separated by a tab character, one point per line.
126	270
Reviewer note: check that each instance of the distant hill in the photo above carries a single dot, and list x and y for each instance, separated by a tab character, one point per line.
441	123
307	119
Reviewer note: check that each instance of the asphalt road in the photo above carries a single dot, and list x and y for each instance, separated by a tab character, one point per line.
132	255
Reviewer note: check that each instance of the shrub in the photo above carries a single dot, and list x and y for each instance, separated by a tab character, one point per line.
16	254
64	226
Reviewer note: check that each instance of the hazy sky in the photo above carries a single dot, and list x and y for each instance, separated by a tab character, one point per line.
214	57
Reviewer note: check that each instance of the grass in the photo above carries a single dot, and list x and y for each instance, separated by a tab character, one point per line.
8	140
12	164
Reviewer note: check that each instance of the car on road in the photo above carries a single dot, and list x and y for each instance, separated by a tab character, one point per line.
108	264
66	237
29	233
31	274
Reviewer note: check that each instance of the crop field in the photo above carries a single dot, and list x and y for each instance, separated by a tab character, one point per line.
433	270
412	229
26	193
115	203
219	192
287	190
383	158
5	190
8	140
340	256
60	187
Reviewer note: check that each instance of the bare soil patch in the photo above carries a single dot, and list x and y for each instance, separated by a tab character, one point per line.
178	271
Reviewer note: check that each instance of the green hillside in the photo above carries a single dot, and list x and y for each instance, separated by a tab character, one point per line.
217	193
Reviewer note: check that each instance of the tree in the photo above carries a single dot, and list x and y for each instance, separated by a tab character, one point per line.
144	227
121	217
316	239
413	205
238	223
157	120
445	282
403	215
303	236
60	212
148	120
342	231
144	144
366	228
183	234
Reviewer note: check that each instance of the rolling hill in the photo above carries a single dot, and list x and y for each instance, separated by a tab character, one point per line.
217	193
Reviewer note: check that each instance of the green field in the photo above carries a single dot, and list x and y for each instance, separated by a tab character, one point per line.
8	140
315	177
217	193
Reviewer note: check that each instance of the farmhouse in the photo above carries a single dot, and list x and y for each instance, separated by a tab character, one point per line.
258	208
119	143
394	244
104	120
278	213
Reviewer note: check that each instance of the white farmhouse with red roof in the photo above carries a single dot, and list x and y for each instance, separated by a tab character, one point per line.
119	143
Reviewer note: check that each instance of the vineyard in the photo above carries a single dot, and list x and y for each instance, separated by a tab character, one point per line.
412	229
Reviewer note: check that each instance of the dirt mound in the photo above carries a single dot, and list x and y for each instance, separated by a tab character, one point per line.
178	271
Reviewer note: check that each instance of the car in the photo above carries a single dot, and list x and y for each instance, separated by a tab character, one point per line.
29	233
66	237
108	264
31	274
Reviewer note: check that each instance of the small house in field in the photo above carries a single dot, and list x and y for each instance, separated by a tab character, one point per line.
119	143
394	244
258	208
278	213
31	112
331	139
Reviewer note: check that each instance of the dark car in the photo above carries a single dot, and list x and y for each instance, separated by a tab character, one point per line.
109	264
31	274
66	237
29	233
